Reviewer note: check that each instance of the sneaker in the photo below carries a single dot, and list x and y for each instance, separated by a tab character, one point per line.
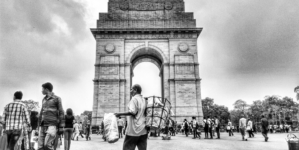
246	140
266	139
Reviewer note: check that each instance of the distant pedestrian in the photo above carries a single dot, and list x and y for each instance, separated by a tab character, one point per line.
242	124
210	123
51	117
265	125
120	124
87	130
230	128
14	117
68	130
194	127
186	127
136	133
249	128
76	131
206	127
217	127
81	132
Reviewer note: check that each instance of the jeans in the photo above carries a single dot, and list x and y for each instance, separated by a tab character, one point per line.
194	133
131	142
120	128
12	138
218	132
68	132
211	133
47	136
231	133
87	131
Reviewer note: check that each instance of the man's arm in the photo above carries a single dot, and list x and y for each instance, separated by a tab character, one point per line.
61	114
3	119
27	116
132	109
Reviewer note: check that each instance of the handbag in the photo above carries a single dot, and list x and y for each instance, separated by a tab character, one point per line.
3	141
248	128
228	128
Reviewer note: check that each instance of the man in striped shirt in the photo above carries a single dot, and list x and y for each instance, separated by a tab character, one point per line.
14	117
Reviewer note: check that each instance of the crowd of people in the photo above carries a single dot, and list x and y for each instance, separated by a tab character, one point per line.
25	128
28	130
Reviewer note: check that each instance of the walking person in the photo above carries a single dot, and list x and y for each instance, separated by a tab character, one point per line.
15	115
194	127
34	124
81	132
206	127
186	127
120	124
136	133
217	127
265	125
229	128
249	128
51	119
210	127
68	129
76	131
87	130
242	127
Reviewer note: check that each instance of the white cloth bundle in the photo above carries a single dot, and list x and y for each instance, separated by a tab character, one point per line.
111	128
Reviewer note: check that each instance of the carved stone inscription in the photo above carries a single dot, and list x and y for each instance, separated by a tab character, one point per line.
184	59
109	70
109	94
185	93
109	60
184	69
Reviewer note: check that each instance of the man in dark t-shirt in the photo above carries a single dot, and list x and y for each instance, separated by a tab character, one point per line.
265	125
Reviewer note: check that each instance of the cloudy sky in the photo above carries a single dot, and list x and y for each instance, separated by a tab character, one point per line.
247	50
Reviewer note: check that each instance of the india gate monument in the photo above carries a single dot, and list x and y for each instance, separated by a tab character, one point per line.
156	31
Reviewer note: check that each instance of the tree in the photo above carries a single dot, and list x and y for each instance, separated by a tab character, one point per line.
31	105
88	114
240	105
211	109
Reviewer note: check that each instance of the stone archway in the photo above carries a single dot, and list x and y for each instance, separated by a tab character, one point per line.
137	31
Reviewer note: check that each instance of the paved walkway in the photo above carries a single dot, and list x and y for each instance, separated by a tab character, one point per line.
180	142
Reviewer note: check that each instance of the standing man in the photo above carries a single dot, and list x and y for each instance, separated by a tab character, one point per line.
206	127
120	124
242	124
51	119
265	125
217	125
14	116
136	133
194	127
87	130
81	129
210	127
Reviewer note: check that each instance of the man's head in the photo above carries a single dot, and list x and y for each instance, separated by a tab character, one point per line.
215	117
119	117
18	95
208	117
80	122
263	116
136	89
194	118
47	88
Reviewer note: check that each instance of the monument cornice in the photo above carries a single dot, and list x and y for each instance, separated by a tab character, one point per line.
184	79
146	33
109	80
